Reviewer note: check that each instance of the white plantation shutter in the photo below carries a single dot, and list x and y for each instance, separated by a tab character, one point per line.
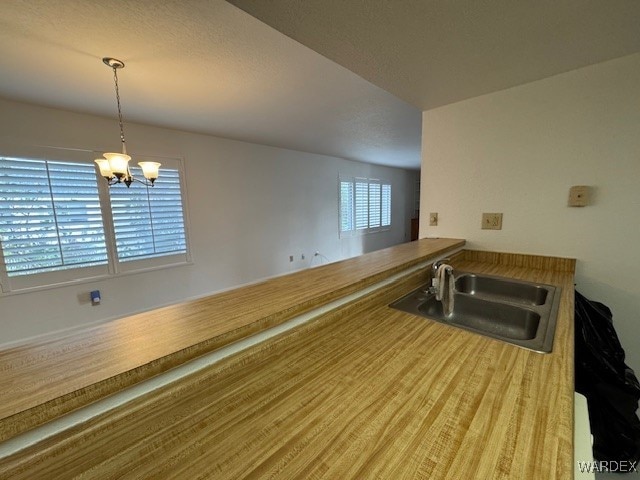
362	204
47	222
365	205
374	205
148	221
386	205
346	206
56	220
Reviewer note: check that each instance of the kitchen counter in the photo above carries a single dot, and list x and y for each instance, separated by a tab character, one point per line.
50	376
361	392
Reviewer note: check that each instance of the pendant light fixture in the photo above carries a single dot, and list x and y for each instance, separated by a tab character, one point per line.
114	167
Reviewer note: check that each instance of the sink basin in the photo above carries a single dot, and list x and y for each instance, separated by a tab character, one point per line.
485	316
494	288
514	311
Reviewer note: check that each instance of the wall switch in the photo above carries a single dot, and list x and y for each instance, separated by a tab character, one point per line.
302	257
579	196
291	258
491	221
433	219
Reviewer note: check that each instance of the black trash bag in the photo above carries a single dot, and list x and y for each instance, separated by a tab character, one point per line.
611	387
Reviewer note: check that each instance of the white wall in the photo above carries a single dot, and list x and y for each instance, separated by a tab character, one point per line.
250	207
519	150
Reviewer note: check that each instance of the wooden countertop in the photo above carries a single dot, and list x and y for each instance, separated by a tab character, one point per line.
361	392
46	378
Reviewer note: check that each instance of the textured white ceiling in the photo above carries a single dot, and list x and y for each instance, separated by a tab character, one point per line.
435	52
201	66
206	66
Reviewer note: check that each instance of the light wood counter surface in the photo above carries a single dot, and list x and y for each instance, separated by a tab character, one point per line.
45	378
362	392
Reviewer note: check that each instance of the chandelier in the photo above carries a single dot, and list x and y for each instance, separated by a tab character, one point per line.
114	167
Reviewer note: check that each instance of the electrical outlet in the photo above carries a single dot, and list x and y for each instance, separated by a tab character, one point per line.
491	221
433	219
302	257
291	258
95	297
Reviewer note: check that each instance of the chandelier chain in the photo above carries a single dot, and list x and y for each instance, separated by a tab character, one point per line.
114	167
115	80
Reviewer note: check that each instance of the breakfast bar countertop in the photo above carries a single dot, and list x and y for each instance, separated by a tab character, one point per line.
52	375
360	392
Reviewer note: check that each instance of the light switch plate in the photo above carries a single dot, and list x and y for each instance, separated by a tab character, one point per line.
491	221
433	219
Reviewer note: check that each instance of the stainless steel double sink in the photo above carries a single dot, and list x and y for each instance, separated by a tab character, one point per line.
514	311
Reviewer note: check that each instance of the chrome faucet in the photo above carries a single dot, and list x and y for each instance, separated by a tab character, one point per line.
436	265
433	289
443	285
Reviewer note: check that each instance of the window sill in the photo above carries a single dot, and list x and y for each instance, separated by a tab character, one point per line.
364	231
92	279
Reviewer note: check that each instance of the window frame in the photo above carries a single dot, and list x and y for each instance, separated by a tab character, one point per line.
114	267
355	231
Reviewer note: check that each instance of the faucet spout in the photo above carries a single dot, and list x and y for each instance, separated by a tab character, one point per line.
436	265
443	284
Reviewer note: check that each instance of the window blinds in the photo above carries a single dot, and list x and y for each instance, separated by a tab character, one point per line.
48	222
365	205
148	221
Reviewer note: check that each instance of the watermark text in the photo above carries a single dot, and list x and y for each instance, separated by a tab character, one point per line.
622	466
